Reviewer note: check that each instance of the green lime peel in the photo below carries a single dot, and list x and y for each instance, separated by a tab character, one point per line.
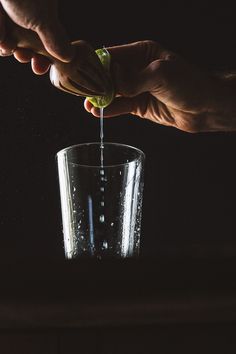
103	101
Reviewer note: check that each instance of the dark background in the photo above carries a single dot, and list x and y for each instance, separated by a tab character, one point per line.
189	178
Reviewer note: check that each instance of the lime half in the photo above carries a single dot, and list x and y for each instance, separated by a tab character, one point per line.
103	101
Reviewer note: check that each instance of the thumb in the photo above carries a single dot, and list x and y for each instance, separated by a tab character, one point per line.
56	41
121	105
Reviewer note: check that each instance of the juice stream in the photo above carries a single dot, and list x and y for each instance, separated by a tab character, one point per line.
102	136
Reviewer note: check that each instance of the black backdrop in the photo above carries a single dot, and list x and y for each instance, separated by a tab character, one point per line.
189	179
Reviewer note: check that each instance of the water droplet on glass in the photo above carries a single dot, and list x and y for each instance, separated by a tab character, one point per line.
112	224
102	218
105	245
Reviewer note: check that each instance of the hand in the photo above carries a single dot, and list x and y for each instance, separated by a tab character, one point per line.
39	16
156	84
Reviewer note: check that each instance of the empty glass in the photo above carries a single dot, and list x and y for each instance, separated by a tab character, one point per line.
101	199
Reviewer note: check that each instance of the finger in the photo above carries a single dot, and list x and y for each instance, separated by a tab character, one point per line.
121	105
56	41
90	67
2	24
88	105
40	65
7	47
137	54
23	55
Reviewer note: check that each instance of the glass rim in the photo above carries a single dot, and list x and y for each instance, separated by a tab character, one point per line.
66	149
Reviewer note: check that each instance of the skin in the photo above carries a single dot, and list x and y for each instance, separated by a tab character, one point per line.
39	16
150	81
154	83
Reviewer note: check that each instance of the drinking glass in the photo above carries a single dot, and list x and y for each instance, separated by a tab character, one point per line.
101	189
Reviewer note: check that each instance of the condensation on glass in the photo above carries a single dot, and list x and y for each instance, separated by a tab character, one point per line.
101	204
